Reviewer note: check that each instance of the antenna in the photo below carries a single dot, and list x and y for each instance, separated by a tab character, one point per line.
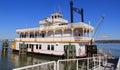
59	8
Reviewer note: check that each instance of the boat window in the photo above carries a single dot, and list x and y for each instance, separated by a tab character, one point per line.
20	35
25	35
36	34
52	47
48	48
43	35
27	45
55	16
30	46
56	44
36	46
58	16
39	46
31	35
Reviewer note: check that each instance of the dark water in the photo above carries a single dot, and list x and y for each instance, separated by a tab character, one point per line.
13	60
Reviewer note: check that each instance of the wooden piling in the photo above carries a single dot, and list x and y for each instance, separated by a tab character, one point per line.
5	45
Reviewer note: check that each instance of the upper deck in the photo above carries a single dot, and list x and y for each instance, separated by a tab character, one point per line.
57	27
56	22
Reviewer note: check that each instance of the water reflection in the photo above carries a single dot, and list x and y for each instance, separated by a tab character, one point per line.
5	61
11	60
29	59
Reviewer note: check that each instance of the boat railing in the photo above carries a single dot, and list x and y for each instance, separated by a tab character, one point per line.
69	26
89	63
42	66
78	64
118	64
53	27
64	38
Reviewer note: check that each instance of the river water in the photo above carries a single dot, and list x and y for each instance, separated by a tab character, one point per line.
13	60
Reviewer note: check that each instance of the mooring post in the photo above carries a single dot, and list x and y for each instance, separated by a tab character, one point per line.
5	45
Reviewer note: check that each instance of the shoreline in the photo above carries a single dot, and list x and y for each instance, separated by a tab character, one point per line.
107	41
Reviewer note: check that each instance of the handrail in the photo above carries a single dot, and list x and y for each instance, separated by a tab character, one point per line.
80	59
70	38
96	60
52	27
32	66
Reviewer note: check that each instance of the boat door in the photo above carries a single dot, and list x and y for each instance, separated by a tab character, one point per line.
32	48
69	51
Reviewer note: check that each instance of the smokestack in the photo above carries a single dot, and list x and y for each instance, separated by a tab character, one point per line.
71	11
82	16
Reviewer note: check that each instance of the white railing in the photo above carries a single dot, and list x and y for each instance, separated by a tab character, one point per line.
118	65
90	63
43	66
69	25
79	64
53	27
67	38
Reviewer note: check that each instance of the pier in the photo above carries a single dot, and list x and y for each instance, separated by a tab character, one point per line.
9	40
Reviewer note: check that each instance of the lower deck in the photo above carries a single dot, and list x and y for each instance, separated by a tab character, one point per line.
57	49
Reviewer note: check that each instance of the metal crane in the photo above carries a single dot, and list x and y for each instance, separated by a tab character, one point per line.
98	25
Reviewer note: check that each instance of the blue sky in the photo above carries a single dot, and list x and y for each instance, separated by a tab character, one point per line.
27	13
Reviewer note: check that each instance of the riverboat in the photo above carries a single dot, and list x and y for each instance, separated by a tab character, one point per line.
53	35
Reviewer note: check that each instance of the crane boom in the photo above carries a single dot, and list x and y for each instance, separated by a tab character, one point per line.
99	22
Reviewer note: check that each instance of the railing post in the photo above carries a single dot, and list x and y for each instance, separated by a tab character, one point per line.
88	64
99	62
106	57
54	65
94	62
77	65
58	65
